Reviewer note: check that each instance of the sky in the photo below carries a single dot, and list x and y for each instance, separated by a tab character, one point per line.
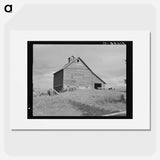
107	61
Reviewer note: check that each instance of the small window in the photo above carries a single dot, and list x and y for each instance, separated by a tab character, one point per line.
77	60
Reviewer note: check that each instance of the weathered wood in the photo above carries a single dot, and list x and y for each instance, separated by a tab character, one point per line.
58	80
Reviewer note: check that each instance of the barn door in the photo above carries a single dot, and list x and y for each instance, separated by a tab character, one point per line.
97	85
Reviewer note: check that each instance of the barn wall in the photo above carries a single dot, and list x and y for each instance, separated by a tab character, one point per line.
77	74
77	77
97	80
58	80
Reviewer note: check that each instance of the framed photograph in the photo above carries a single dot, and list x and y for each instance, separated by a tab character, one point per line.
80	80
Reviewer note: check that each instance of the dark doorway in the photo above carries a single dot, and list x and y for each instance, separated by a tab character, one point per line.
97	85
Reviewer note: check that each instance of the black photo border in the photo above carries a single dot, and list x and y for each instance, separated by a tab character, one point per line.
129	78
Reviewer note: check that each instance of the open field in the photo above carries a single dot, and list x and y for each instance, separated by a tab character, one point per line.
80	103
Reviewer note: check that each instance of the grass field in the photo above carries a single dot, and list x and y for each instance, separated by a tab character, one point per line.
80	103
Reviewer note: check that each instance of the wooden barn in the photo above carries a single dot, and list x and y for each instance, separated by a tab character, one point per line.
76	74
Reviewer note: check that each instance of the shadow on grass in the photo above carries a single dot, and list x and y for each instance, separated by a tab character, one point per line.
88	110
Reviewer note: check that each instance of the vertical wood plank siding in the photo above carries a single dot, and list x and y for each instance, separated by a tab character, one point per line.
58	80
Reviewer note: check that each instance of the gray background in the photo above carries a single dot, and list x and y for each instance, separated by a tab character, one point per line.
80	17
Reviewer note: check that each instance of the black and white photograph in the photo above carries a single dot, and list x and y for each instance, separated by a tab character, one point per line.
80	79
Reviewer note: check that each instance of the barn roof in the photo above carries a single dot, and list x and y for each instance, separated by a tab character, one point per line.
68	64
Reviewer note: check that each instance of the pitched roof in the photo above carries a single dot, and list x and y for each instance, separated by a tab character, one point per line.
68	64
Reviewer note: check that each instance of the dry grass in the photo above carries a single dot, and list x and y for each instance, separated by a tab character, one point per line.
80	103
